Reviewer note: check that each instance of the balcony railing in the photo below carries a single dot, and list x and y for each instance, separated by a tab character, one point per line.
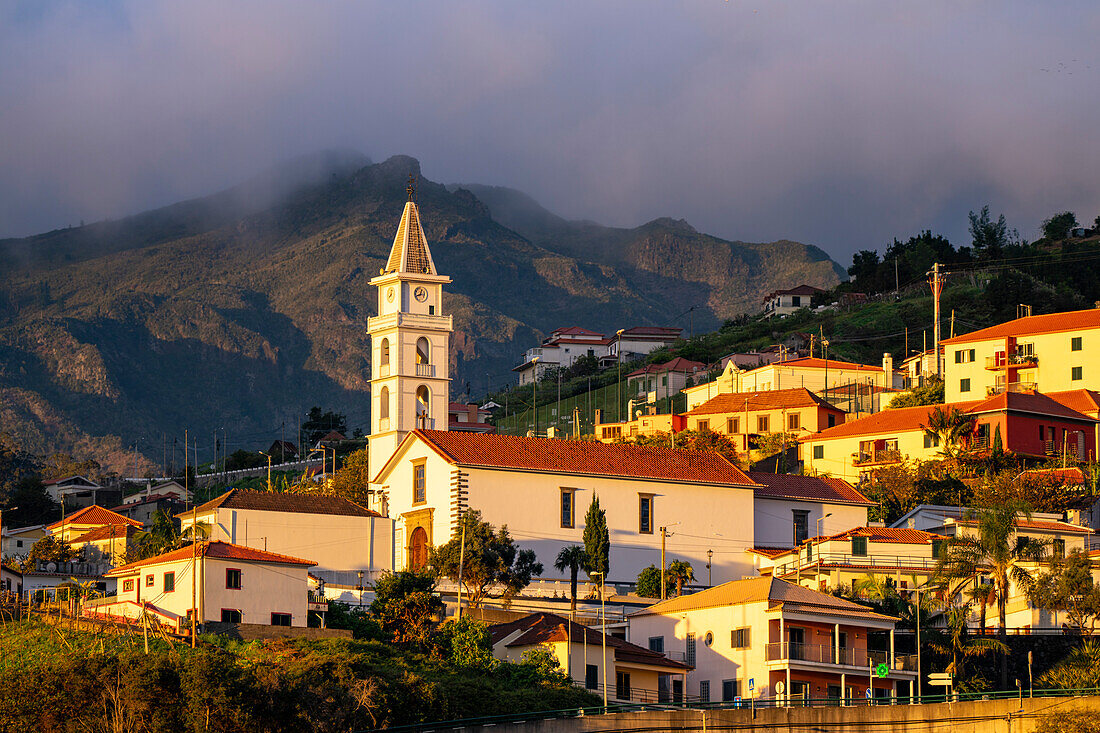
868	458
786	651
1011	387
425	370
1000	361
838	558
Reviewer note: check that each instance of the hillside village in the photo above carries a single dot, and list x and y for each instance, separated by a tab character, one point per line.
777	526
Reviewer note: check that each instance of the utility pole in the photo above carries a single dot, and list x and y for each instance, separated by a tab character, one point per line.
194	570
664	531
461	562
619	379
186	483
534	397
936	283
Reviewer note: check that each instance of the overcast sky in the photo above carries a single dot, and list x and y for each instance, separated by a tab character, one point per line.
842	124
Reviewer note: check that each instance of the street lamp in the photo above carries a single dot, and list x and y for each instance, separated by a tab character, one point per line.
817	575
360	588
268	469
825	350
603	637
710	554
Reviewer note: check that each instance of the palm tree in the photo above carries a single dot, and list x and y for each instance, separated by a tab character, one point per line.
948	427
680	572
572	557
995	551
957	642
985	595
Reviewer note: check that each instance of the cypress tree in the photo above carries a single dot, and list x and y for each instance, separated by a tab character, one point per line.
597	542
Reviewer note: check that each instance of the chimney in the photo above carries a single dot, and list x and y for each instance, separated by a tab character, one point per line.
888	368
599	416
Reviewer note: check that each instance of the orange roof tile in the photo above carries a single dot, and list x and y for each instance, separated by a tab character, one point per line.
108	532
679	364
1045	526
775	399
1085	401
806	488
1031	325
886	421
484	450
1032	402
94	515
219	550
271	501
771	552
808	362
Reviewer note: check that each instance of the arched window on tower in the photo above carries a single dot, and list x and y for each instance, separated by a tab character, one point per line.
423	358
423	400
384	409
384	353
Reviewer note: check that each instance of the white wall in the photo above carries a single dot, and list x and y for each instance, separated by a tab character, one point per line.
774	525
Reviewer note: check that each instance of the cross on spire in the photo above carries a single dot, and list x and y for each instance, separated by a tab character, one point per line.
411	188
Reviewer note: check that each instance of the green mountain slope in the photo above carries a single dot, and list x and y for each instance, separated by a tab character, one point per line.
243	309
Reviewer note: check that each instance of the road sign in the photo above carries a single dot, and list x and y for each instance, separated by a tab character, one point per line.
868	693
752	683
882	670
940	679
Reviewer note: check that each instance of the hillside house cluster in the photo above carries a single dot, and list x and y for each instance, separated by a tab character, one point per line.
562	348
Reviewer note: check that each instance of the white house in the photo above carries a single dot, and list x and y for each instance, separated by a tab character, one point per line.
768	639
342	537
16	542
72	489
786	302
789	509
233	584
166	490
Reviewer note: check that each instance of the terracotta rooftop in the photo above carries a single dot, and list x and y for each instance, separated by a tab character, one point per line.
894	535
95	516
1082	400
1038	525
679	364
1032	402
1031	325
108	532
774	591
806	488
772	552
550	455
886	421
540	628
270	501
775	399
813	362
1066	475
219	550
575	331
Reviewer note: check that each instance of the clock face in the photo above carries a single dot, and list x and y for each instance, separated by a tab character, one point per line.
389	295
421	294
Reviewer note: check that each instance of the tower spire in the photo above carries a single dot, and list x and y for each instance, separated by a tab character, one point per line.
410	253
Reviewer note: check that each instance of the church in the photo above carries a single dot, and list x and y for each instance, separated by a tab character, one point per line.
701	507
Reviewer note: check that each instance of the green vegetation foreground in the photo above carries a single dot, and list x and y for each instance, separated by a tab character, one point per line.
59	680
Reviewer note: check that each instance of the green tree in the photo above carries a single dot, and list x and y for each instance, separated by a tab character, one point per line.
1068	587
466	642
352	481
1080	669
1057	227
957	642
34	505
988	237
161	537
949	426
930	394
16	465
708	441
50	549
407	607
649	582
571	557
597	541
63	465
320	422
994	551
679	572
490	559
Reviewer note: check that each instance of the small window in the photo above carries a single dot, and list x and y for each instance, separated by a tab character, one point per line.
859	546
622	685
704	690
591	676
958	356
740	638
1058	549
689	649
664	381
19	543
964	385
708	639
657	644
762	424
793	422
1075	343
702	425
280	619
149	582
1076	373
832	421
733	425
231	615
232	578
645	514
819	452
420	490
731	690
971	354
169	582
931	441
128	586
801	525
937	549
568	519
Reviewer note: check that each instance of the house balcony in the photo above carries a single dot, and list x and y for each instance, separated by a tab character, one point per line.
876	457
1011	387
1002	361
784	652
838	559
425	370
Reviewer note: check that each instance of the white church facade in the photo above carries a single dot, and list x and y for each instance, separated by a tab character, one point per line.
540	488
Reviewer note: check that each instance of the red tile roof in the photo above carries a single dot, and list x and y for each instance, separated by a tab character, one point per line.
771	552
550	455
662	331
576	331
1066	475
541	628
894	535
109	532
1031	325
94	515
806	488
218	550
1040	525
1082	400
775	399
679	364
807	362
270	501
886	421
1031	402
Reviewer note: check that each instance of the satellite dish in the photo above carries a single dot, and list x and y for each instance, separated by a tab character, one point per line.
779	687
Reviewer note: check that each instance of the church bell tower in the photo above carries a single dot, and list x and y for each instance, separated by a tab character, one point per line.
410	342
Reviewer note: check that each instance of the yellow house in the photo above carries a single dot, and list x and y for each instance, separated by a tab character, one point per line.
633	673
1049	353
744	415
73	527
